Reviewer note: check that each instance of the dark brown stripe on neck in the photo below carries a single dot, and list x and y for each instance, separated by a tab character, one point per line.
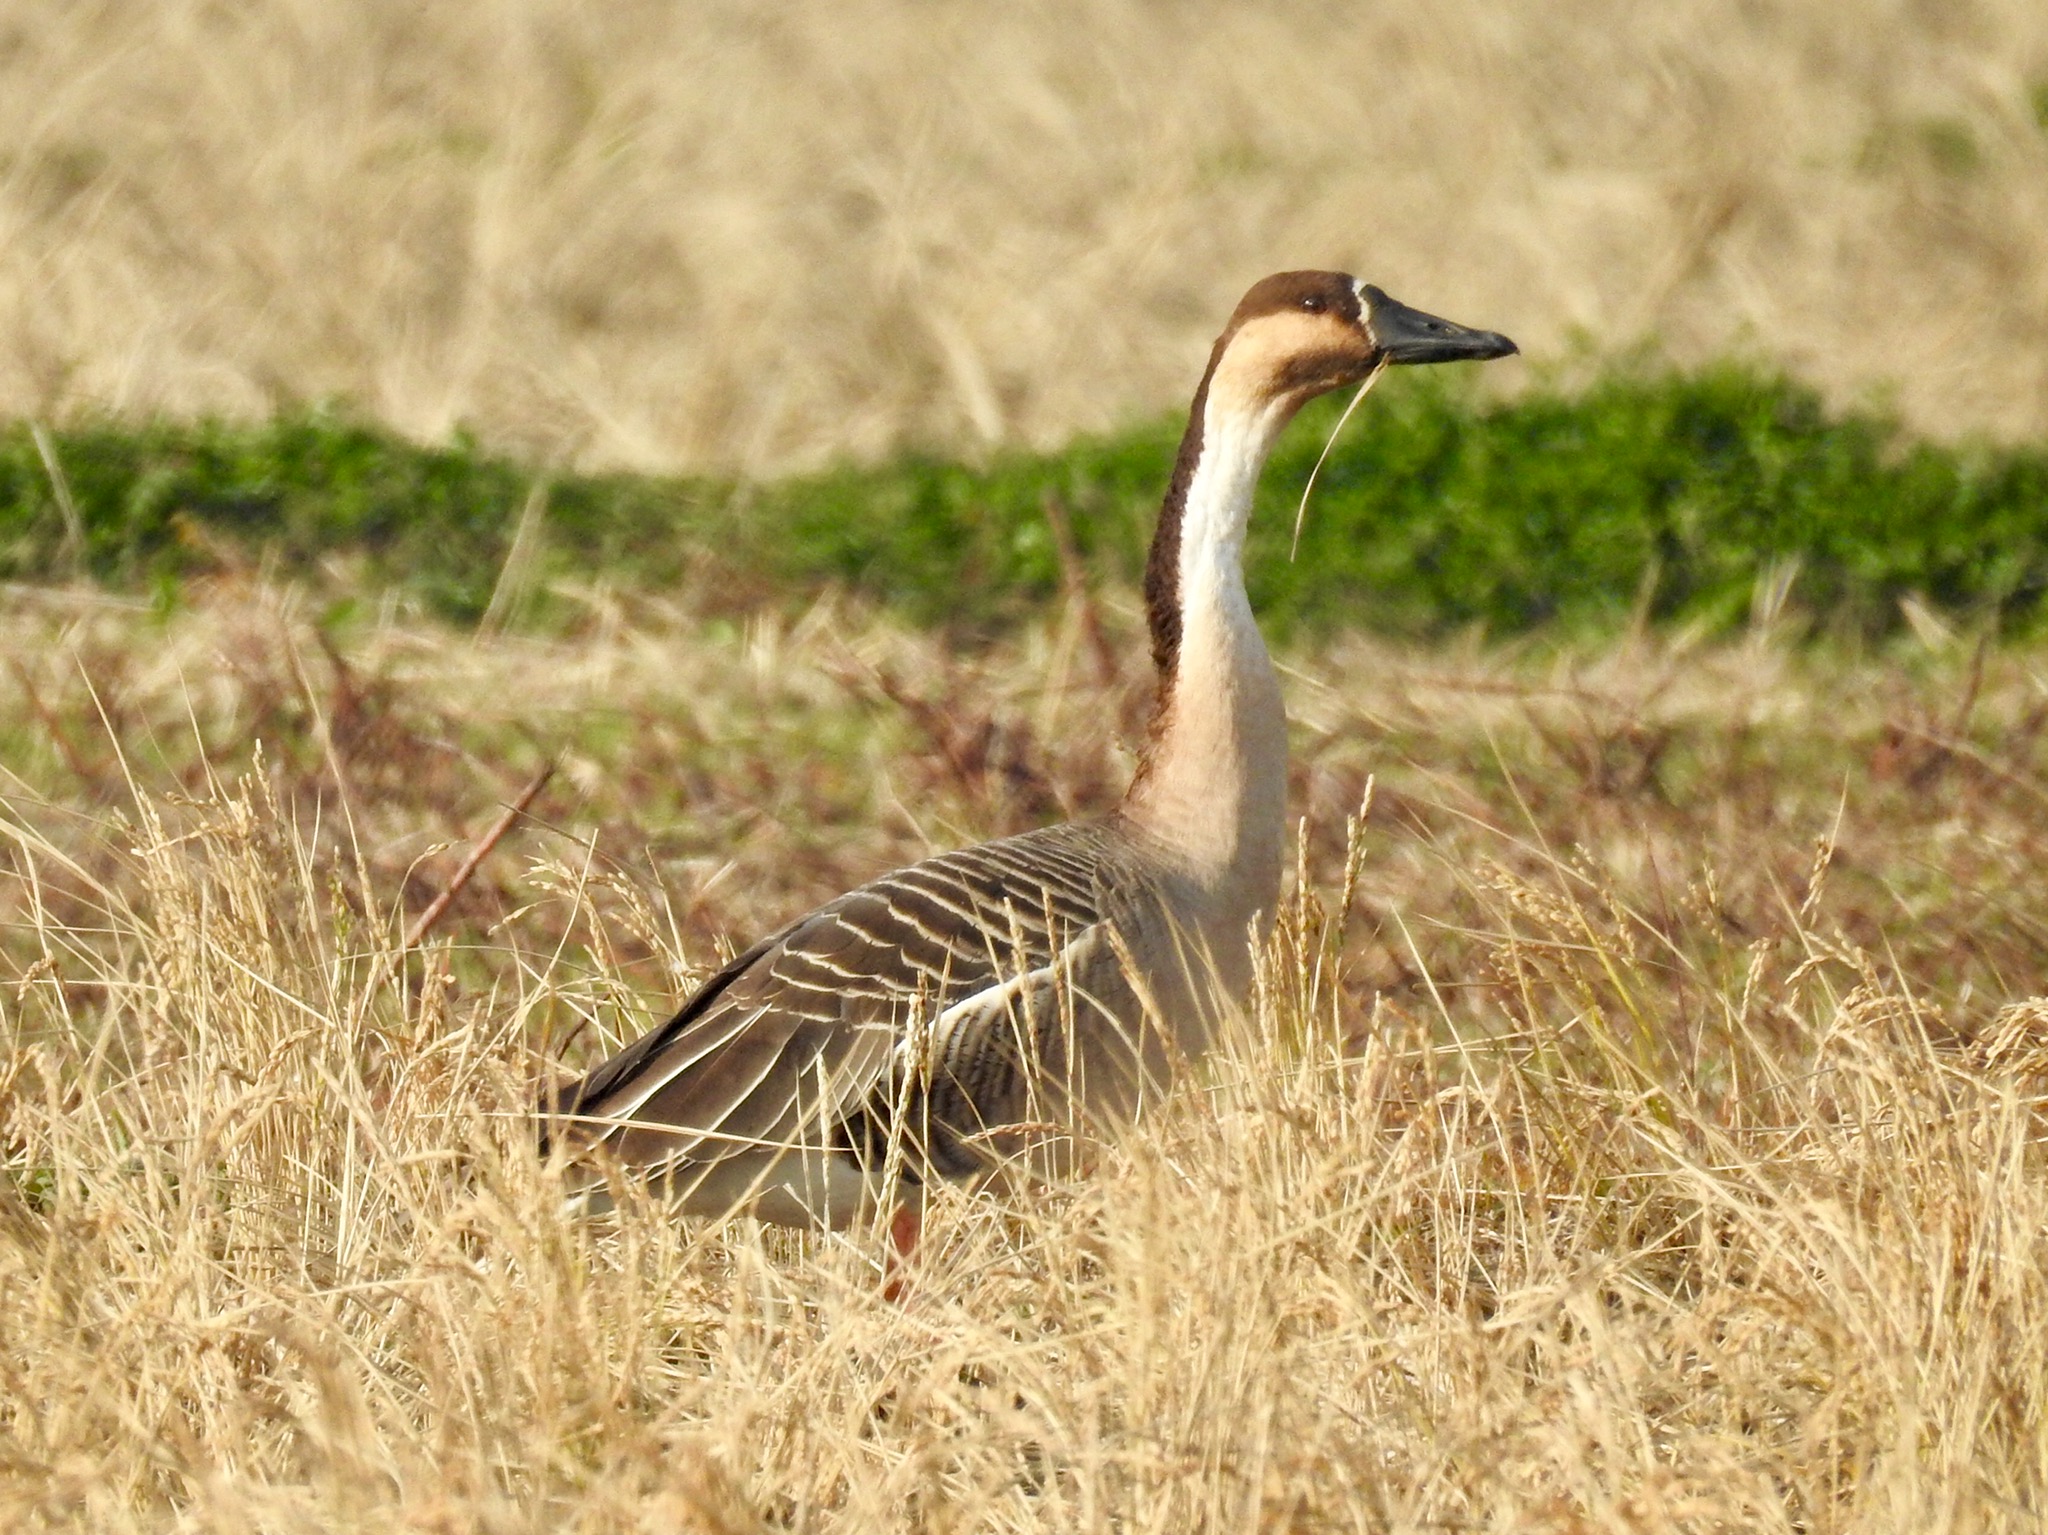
1162	563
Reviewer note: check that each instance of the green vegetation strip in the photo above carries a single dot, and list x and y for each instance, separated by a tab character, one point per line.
1678	497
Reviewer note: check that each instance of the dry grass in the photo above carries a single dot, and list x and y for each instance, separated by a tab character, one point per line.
755	236
1651	1138
1655	1144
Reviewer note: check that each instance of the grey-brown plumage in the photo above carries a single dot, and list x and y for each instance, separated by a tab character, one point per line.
989	1006
946	1017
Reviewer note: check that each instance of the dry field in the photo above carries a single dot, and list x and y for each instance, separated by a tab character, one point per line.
1641	1122
754	236
1649	1138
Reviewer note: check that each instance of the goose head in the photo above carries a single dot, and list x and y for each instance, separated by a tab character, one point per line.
1297	335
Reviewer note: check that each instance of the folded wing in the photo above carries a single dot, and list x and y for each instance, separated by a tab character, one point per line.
951	1005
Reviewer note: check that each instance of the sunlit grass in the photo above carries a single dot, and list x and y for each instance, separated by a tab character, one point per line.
1651	1140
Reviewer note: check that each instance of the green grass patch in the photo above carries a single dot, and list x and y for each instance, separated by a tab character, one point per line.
1671	495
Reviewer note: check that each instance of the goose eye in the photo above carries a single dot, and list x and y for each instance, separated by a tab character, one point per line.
1315	303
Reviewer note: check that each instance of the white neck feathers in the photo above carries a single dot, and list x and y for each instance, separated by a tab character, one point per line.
1213	786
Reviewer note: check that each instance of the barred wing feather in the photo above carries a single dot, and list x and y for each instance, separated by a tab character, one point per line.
941	1003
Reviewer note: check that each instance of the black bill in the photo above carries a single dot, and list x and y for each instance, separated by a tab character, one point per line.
1409	335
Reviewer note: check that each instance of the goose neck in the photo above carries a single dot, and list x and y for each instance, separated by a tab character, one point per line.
1212	785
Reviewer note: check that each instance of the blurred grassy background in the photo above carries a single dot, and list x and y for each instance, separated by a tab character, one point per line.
1705	498
737	238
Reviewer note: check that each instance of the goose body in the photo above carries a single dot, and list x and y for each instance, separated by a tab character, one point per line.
984	1006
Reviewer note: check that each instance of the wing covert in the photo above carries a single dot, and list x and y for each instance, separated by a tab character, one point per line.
802	1034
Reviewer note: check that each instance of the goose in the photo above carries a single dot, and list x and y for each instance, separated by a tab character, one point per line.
997	1005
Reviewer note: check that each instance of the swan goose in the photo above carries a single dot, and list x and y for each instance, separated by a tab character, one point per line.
985	1006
